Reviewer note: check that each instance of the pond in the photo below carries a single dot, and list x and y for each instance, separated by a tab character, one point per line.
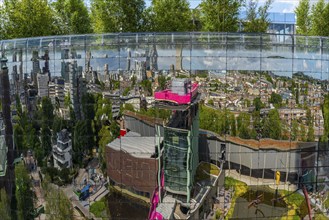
265	209
122	207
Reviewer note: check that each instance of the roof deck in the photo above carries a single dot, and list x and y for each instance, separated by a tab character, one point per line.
180	93
134	144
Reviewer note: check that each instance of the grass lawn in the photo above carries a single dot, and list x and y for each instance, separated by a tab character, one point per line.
100	209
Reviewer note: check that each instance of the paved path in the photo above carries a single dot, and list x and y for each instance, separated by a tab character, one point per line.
37	188
252	181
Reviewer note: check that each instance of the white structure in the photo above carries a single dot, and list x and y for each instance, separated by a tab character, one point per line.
57	92
43	80
62	151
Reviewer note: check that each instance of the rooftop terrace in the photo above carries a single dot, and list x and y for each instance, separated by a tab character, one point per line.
134	144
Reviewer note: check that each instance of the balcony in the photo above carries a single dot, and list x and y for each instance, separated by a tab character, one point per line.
59	157
63	148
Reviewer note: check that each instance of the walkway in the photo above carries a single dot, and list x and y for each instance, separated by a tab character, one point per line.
252	181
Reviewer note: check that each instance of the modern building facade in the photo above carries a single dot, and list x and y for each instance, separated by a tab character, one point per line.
42	82
62	150
132	163
180	141
57	92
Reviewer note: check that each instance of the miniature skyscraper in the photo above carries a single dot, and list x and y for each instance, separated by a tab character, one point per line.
5	101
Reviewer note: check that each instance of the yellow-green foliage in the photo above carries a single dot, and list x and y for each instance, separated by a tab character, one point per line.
326	203
296	204
99	208
240	189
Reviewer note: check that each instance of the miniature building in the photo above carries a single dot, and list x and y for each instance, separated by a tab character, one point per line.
180	144
43	80
56	91
131	163
62	151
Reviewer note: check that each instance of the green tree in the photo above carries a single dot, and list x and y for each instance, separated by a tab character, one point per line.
303	21
310	125
310	133
58	125
67	100
162	82
303	133
83	140
19	137
220	15
117	15
88	106
45	139
243	121
294	130
319	16
209	119
105	138
272	127
258	104
24	194
147	86
232	123
28	18
257	17
4	205
47	111
276	99
325	110
58	206
171	15
73	14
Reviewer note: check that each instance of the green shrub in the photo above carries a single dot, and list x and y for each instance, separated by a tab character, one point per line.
99	209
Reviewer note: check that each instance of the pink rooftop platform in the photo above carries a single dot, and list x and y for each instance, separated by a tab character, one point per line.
182	92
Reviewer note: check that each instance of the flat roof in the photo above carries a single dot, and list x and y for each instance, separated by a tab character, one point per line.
134	144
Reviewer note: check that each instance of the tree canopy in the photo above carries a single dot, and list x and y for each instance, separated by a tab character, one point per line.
4	205
171	15
117	15
27	18
73	16
24	194
220	15
311	20
302	13
257	17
